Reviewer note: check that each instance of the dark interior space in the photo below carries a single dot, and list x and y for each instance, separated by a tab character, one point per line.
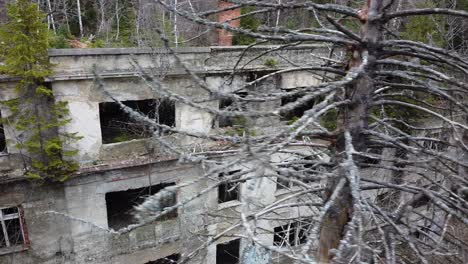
117	126
228	253
172	259
120	204
292	234
3	148
284	235
282	184
228	191
12	228
298	111
227	104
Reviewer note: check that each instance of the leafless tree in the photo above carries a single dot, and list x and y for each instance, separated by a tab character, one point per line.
395	189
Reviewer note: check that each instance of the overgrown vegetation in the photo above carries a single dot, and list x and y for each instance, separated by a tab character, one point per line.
249	22
35	114
428	29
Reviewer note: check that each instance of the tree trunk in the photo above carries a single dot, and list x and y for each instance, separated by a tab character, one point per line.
102	15
79	17
51	16
355	121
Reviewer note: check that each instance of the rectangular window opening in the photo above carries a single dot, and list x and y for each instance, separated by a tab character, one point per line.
292	234
12	231
172	259
117	126
282	183
299	110
120	205
228	191
228	253
3	148
227	104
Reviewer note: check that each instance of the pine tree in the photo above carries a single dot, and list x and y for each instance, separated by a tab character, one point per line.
35	112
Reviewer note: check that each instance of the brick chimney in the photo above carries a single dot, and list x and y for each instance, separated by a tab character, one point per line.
224	36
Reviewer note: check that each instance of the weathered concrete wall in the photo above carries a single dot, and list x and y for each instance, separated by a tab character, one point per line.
80	237
50	240
76	64
72	82
75	70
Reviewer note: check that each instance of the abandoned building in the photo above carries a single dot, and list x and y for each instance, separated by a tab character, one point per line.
120	164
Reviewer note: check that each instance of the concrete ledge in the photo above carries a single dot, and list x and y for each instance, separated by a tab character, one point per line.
127	51
123	51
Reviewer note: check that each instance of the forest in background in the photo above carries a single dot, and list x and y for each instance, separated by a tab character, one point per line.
133	23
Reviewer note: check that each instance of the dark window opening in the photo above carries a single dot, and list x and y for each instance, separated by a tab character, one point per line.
282	183
299	110
3	148
252	76
228	253
172	259
117	126
292	234
120	205
227	104
12	232
228	191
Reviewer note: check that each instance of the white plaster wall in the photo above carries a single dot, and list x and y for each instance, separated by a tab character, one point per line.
192	119
295	79
225	84
85	120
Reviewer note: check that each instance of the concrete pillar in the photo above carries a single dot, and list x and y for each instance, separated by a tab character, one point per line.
192	119
84	115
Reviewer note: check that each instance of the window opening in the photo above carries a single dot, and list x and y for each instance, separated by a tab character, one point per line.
120	205
228	253
172	259
12	232
3	148
298	111
252	76
283	184
227	104
117	126
228	191
292	234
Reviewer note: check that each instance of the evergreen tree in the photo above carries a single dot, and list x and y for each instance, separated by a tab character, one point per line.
35	113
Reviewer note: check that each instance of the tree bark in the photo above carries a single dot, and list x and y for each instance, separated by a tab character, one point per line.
80	22
356	121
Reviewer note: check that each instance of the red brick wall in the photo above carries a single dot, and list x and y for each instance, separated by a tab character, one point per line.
224	36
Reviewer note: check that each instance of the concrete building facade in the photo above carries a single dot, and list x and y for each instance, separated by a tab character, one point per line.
83	220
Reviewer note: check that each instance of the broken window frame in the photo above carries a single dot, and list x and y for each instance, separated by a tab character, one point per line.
228	186
127	127
296	233
236	242
17	214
